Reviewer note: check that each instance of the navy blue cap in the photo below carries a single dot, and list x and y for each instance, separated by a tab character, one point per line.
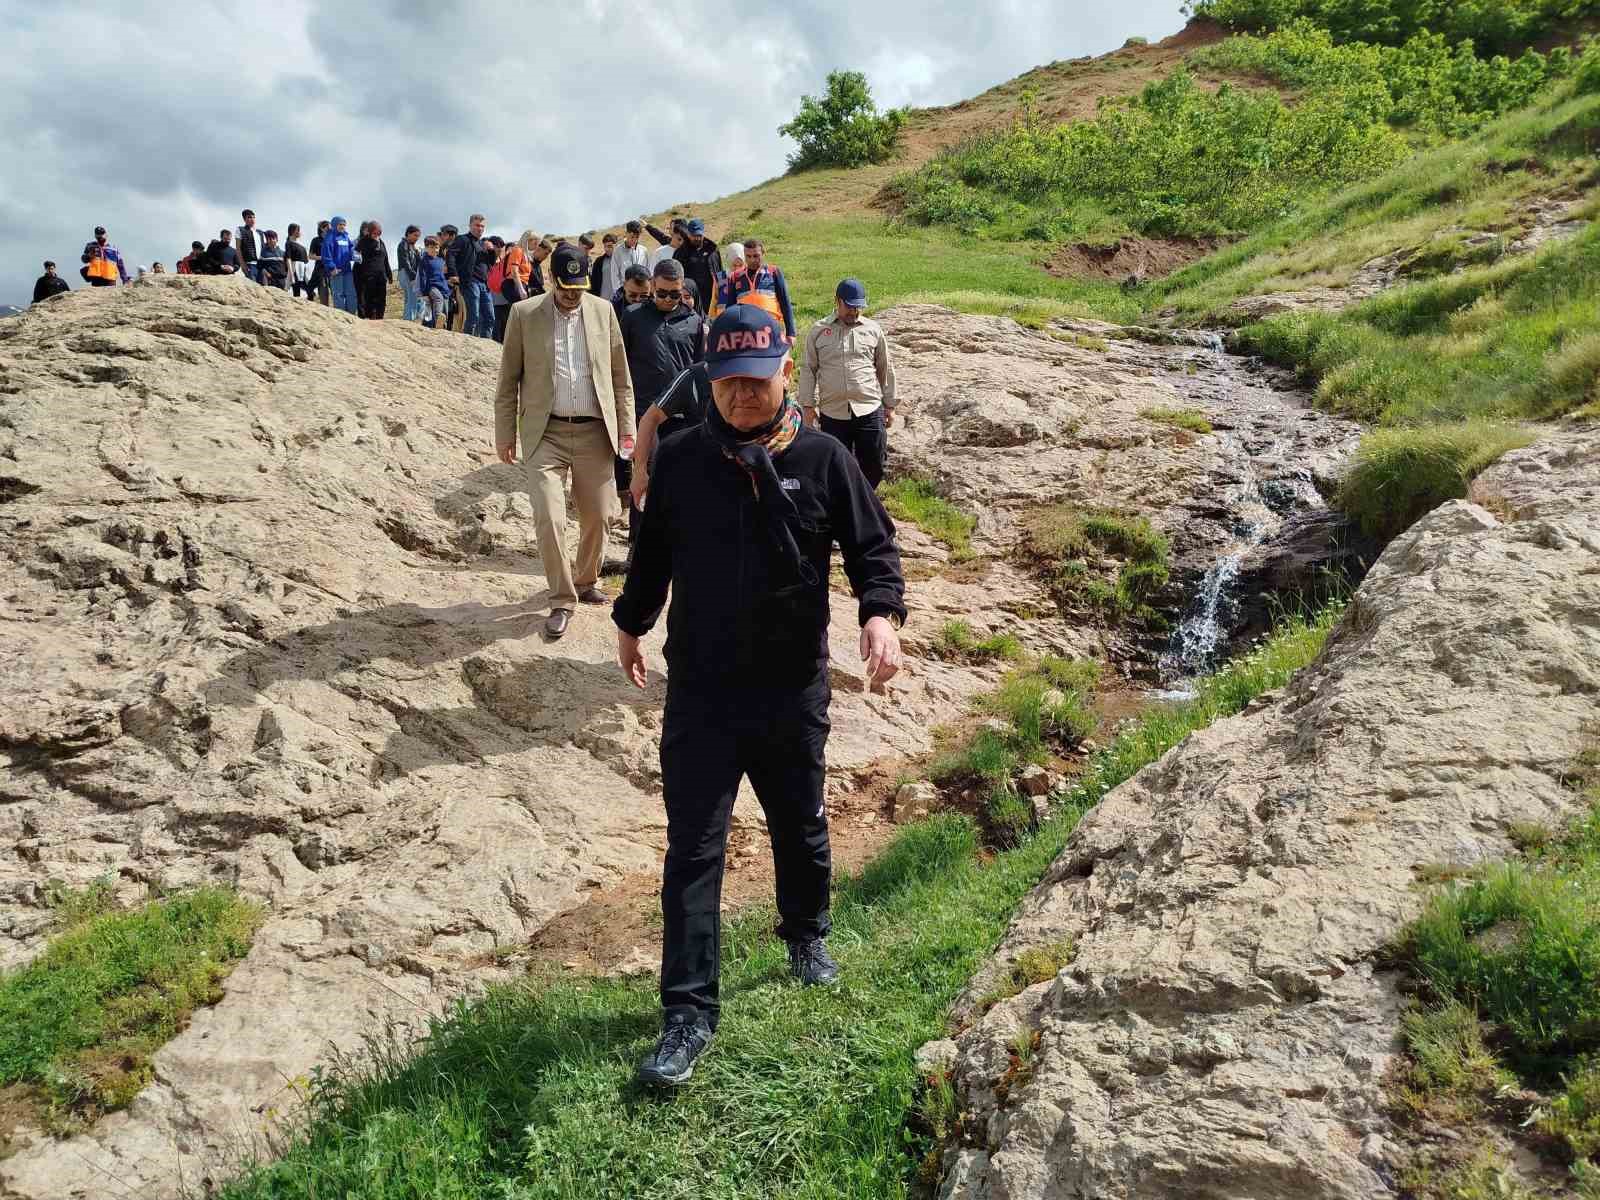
569	266
745	340
696	225
853	292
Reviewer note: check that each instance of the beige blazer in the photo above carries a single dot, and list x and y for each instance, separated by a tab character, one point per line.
527	387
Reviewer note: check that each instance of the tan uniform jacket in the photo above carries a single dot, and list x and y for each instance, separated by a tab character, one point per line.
845	370
527	387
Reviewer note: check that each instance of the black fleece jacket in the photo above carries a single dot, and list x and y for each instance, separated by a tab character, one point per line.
739	616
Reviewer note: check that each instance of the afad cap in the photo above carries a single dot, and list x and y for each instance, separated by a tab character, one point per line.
570	267
745	340
99	230
853	292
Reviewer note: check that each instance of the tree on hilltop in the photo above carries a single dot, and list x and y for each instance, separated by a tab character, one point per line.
843	127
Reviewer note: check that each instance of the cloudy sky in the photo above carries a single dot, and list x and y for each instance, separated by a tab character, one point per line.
161	119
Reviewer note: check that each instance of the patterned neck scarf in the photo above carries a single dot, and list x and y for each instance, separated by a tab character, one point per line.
753	451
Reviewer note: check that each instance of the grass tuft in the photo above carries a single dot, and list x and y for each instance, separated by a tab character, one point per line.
1191	419
958	642
914	498
1401	474
1066	543
82	1020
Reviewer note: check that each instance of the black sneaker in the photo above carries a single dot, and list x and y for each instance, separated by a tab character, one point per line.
682	1040
810	963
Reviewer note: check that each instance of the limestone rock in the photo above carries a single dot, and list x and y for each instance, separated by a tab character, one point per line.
1222	1029
914	801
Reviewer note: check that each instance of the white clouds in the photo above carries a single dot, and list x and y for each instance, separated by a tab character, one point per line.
161	121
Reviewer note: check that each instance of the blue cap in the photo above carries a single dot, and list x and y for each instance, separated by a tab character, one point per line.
696	225
745	340
853	292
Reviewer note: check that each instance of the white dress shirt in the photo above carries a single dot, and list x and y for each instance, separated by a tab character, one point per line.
574	376
617	265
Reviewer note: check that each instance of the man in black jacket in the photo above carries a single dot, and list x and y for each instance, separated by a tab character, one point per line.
702	262
248	246
466	266
49	284
224	259
662	338
743	514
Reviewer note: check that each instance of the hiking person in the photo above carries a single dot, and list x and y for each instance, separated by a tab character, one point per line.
272	266
760	283
338	264
661	338
564	385
300	268
157	269
635	289
319	273
103	265
194	263
469	270
432	286
517	281
600	268
733	260
539	253
627	253
221	254
846	372
497	288
248	245
49	284
742	517
681	407
447	238
408	257
701	262
373	274
669	242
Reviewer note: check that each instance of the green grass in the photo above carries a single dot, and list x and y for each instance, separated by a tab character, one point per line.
1066	543
82	1020
915	499
527	1092
1400	474
1190	419
957	641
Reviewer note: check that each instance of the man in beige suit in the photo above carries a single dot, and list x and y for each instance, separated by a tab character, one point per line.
564	381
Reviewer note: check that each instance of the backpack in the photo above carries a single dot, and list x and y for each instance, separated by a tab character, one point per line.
497	276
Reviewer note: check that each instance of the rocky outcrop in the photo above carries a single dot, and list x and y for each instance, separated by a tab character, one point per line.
1224	1027
273	620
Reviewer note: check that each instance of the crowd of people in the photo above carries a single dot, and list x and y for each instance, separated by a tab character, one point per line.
657	380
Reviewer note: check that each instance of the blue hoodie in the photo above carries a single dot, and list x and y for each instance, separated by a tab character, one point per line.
338	247
430	274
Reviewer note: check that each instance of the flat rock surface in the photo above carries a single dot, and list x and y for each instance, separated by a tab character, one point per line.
1222	1031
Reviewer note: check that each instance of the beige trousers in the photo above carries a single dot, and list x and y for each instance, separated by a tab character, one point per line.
585	451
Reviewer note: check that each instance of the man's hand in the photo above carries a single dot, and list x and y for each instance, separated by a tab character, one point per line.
631	659
888	418
507	453
880	650
810	415
639	486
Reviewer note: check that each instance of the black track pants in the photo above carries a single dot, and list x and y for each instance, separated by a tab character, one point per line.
865	438
708	743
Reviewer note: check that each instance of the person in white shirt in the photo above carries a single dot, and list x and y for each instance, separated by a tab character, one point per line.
628	253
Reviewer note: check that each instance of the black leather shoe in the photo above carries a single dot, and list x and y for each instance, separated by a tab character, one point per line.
810	963
556	623
593	595
682	1040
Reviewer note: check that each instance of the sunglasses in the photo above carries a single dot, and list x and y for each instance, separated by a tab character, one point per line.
663	294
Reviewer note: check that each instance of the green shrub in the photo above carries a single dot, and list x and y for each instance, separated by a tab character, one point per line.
1586	75
1448	1051
1430	85
1493	24
1401	474
956	640
1175	159
1522	946
842	127
1574	1115
1057	538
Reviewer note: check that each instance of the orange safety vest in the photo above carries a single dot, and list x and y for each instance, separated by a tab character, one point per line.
102	268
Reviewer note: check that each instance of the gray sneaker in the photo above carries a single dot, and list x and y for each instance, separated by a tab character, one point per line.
810	963
682	1040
